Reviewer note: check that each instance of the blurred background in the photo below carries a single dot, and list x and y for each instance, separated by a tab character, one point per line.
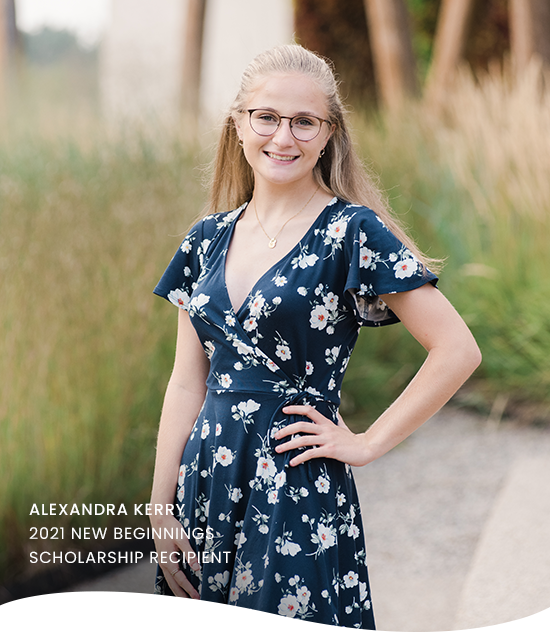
108	114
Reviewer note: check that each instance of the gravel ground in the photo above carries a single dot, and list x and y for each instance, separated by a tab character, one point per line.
424	507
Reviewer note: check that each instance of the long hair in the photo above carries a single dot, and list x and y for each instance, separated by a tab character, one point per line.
339	171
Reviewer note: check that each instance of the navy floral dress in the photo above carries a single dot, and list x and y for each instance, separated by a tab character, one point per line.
282	539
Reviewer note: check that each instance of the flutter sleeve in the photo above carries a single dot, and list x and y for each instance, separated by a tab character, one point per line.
379	263
180	277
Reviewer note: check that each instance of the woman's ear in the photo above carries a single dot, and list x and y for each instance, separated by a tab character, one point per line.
238	128
331	131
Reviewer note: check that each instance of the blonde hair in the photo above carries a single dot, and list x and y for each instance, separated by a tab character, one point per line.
339	171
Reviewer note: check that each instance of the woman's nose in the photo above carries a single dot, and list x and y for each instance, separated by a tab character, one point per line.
283	136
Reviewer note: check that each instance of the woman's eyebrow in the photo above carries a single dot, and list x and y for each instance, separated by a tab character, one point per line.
301	113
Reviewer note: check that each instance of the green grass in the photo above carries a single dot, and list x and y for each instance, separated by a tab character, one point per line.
472	183
87	348
89	219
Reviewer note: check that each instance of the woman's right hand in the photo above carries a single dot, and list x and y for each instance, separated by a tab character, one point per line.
170	552
182	403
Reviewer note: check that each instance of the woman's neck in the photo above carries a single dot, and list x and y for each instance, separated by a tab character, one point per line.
280	202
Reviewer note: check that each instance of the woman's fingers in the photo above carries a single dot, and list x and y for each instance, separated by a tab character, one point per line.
302	426
177	580
302	441
180	585
341	421
304	433
323	438
189	554
295	428
177	590
172	552
306	411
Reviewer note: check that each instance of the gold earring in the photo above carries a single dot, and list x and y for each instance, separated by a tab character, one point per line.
322	153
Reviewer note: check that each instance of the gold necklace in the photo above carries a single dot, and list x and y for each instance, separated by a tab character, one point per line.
273	240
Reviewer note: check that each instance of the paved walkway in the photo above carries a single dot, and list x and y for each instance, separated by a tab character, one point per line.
510	571
457	525
435	512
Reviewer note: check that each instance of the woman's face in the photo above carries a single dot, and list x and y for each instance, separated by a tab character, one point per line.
281	158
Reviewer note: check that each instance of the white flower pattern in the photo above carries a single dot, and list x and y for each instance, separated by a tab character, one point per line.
290	342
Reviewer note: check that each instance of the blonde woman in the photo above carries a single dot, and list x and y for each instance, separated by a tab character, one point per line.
251	449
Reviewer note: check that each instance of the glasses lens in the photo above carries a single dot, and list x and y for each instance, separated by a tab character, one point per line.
305	127
264	122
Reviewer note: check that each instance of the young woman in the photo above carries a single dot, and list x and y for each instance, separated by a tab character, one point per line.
273	295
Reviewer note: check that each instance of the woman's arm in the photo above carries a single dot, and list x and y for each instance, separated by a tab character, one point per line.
183	400
453	355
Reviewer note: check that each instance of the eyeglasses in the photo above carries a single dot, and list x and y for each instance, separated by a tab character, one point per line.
302	126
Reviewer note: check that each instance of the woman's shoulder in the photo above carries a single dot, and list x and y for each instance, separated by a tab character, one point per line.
352	226
208	228
210	224
354	216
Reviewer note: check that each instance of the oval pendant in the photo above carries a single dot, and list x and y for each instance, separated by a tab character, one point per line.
272	242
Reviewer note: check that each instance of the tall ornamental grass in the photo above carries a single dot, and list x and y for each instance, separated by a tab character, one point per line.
471	180
89	220
86	229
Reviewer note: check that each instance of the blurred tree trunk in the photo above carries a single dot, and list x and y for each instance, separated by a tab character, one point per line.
394	61
451	37
529	31
192	58
3	43
9	46
338	30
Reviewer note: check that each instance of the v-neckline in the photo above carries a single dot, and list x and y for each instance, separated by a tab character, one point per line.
277	264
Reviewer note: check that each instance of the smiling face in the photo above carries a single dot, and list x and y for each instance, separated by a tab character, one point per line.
281	159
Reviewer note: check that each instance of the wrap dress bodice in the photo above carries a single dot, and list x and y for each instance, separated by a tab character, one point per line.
291	537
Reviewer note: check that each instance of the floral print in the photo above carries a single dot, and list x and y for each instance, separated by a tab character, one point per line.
286	540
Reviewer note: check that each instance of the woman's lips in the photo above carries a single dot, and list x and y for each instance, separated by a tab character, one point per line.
280	158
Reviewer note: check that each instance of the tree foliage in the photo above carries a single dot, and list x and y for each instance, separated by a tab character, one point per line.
50	46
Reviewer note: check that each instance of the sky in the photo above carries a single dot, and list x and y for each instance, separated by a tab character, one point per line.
86	18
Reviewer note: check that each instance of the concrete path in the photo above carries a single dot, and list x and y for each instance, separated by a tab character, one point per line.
510	574
457	526
432	510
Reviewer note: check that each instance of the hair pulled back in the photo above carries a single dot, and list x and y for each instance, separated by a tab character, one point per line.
339	171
